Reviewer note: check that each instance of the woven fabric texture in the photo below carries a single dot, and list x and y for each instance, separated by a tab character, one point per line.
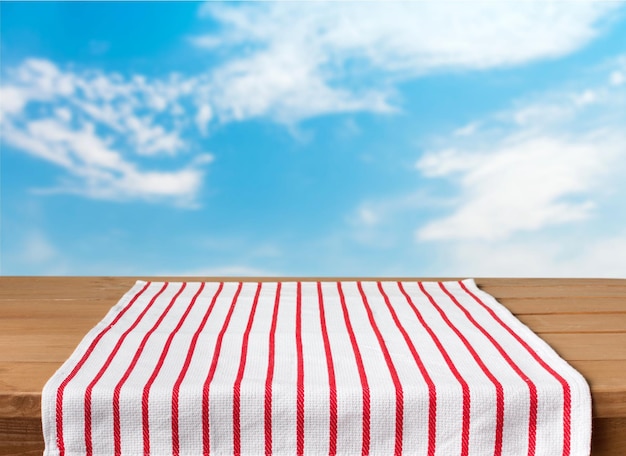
314	368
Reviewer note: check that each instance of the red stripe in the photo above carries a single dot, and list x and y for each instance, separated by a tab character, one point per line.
332	386
117	437
300	379
487	372
83	359
145	401
392	370
567	404
183	372
206	431
451	366
481	364
239	379
88	391
359	362
270	375
432	390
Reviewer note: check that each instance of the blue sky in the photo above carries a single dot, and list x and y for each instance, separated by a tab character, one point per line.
313	139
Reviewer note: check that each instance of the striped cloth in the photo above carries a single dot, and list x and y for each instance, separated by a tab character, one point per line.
315	368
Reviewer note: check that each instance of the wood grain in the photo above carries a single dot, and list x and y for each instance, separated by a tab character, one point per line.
42	319
608	437
595	323
21	436
588	346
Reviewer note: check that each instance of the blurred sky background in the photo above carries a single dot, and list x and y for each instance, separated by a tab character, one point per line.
308	138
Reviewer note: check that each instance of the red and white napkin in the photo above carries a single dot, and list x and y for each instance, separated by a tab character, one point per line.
314	368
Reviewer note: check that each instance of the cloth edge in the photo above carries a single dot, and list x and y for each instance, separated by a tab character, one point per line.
52	384
581	395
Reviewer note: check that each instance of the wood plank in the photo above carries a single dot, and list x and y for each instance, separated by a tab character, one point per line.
607	381
23	379
61	287
21	436
32	307
97	307
53	309
80	287
556	291
563	304
583	319
547	282
46	348
46	326
574	347
603	375
609	404
608	437
576	323
20	405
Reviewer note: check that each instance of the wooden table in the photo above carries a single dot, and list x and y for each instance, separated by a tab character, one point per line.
42	319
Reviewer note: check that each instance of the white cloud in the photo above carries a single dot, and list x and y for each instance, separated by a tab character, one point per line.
548	162
295	61
367	216
178	183
63	114
82	145
151	139
24	141
416	36
303	56
13	100
466	130
538	188
524	184
586	97
617	78
203	117
44	80
40	80
285	84
98	170
205	41
89	125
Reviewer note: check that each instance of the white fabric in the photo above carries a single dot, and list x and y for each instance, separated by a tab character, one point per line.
346	368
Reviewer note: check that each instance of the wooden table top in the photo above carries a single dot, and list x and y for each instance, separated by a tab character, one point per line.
42	319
